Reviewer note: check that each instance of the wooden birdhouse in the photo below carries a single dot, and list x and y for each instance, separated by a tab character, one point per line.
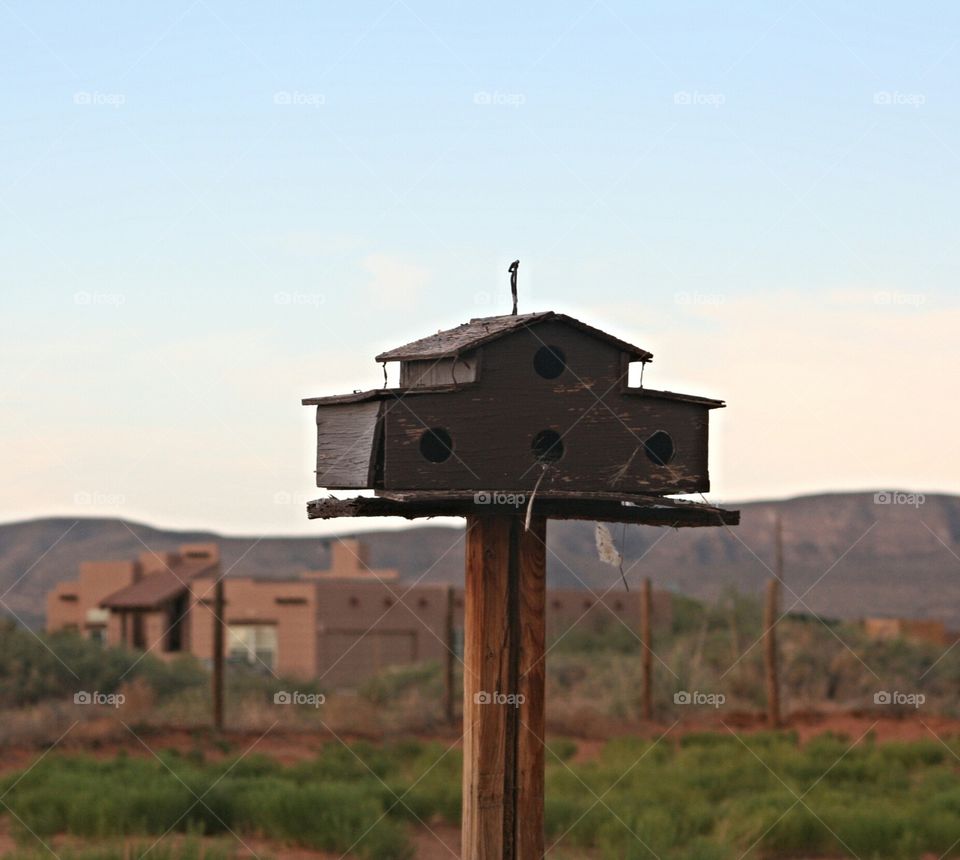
512	421
513	403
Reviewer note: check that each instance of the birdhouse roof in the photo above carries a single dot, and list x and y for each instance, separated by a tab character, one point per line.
387	393
481	330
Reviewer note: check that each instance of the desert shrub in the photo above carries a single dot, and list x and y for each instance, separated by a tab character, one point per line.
242	680
688	614
395	681
328	817
798	832
34	668
425	782
96	799
605	635
562	749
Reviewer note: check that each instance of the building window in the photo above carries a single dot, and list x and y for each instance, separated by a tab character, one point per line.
139	637
253	644
175	622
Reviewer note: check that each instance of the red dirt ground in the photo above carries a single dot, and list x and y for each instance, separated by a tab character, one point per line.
290	745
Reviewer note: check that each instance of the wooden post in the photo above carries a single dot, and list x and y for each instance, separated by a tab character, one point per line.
217	677
449	660
778	548
503	688
770	652
646	621
770	615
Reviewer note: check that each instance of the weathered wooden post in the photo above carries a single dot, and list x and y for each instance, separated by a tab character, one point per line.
771	608
503	703
646	637
770	616
217	676
511	421
449	658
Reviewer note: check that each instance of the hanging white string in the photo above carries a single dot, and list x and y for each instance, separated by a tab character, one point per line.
536	486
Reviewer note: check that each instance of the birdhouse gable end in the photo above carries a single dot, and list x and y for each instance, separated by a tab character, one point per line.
481	330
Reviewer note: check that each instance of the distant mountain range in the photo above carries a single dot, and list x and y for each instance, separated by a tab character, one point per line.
858	553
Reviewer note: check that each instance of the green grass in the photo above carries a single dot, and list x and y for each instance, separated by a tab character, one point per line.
329	808
711	797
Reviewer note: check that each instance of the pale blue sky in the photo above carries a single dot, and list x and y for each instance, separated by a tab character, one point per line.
209	210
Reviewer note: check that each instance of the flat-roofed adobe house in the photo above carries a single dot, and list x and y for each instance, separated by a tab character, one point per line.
506	402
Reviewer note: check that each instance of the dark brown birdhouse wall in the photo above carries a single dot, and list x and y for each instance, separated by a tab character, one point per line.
576	392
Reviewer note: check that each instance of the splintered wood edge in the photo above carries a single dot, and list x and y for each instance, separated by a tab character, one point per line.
600	510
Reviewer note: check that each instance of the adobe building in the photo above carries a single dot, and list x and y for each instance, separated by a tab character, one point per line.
339	626
139	603
350	559
912	629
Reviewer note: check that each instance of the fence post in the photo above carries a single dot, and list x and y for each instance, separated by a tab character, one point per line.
449	658
646	633
770	652
217	678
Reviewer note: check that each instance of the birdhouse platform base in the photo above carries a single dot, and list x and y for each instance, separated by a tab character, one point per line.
554	505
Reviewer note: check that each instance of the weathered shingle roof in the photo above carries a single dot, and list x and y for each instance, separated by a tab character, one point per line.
157	588
386	393
484	329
